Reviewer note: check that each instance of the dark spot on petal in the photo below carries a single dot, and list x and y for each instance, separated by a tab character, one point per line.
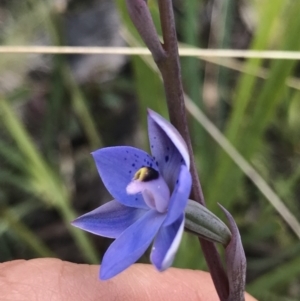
130	171
168	148
154	137
136	199
127	151
177	182
181	160
151	165
156	163
151	146
125	158
166	158
133	165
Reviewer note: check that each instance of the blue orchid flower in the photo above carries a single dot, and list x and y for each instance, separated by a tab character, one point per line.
150	194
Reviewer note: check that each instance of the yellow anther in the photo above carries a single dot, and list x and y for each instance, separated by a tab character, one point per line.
146	174
141	174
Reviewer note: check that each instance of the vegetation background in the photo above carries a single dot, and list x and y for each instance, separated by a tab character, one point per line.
56	109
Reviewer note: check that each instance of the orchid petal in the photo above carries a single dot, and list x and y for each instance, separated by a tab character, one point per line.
170	132
180	195
109	220
131	244
117	166
167	146
166	244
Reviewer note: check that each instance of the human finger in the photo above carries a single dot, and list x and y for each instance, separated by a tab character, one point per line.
53	279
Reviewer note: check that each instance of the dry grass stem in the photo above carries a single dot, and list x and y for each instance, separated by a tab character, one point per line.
192	52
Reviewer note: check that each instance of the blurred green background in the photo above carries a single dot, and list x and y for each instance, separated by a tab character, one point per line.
56	109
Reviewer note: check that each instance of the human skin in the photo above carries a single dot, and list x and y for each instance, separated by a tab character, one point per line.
53	279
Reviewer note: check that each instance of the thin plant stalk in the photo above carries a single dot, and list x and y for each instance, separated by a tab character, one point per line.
170	70
166	57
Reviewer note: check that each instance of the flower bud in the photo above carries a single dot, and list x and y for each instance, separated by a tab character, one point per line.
203	223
